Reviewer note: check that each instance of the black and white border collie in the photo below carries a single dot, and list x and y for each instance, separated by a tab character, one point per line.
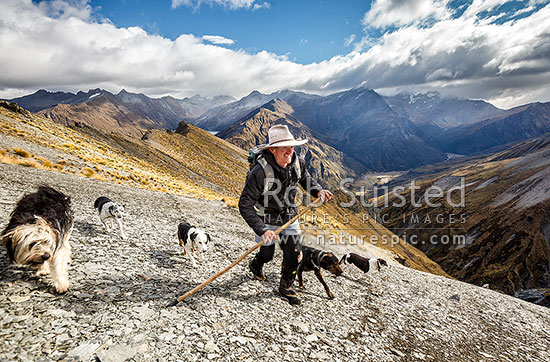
193	240
109	212
38	234
365	264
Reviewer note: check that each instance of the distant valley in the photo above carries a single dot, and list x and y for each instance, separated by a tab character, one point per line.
501	235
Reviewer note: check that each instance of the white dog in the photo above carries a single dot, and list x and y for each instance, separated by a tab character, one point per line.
193	241
109	212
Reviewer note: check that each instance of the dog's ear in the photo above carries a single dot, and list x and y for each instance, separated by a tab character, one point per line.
382	262
208	239
325	258
193	235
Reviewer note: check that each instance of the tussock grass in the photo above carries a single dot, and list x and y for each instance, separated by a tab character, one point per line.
22	152
231	202
71	146
28	163
88	172
12	160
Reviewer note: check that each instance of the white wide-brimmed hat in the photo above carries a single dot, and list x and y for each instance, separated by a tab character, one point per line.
280	136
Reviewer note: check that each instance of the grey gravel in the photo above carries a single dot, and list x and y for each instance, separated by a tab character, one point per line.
117	307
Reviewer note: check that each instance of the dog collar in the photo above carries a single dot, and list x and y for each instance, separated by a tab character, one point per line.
319	256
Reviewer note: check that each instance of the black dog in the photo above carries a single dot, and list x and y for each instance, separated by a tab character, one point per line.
315	260
365	264
38	234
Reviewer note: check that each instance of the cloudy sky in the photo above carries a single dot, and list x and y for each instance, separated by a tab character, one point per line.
495	50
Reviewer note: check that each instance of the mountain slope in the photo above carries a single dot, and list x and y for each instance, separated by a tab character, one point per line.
435	113
325	164
517	124
503	226
193	163
117	307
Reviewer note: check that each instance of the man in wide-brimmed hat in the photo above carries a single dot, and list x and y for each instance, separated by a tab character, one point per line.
267	202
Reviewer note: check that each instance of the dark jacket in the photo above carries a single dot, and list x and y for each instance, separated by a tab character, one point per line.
275	213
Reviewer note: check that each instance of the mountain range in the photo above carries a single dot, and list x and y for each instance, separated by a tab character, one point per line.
370	131
123	112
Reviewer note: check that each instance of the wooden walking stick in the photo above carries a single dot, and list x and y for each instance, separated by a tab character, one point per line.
199	287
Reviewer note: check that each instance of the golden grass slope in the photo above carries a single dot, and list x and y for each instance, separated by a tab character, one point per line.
121	159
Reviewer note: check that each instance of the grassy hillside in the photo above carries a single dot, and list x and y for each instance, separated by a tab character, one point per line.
117	158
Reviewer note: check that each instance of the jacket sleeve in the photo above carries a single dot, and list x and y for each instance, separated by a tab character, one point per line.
307	182
252	192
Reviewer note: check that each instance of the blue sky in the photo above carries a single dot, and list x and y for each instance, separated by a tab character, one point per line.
305	30
496	50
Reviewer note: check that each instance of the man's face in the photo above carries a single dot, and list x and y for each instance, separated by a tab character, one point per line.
283	155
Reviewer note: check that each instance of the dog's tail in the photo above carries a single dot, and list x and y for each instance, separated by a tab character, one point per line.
343	260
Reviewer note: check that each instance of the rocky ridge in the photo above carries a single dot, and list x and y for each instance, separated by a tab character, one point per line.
324	162
117	307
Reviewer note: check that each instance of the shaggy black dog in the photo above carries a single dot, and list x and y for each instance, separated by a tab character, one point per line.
38	234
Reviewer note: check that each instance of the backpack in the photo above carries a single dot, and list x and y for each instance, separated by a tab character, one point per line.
255	157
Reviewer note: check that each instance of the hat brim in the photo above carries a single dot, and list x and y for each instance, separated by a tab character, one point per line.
283	144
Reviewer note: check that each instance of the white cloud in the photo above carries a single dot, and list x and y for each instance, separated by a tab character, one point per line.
261	6
229	4
384	13
507	63
66	9
479	6
349	40
217	39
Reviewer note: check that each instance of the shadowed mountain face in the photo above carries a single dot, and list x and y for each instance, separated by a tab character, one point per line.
500	236
359	123
324	162
436	114
517	124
